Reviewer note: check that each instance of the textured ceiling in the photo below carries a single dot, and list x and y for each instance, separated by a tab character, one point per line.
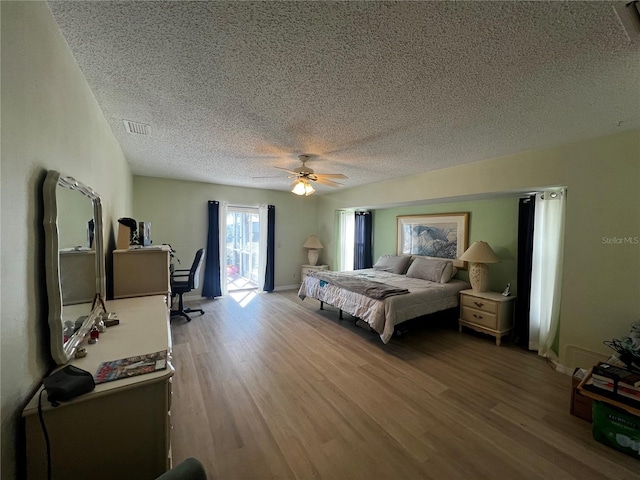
374	90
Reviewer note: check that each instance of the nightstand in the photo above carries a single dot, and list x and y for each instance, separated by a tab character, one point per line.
486	312
307	269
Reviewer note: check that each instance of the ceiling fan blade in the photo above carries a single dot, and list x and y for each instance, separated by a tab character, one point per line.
272	176
288	171
326	182
330	175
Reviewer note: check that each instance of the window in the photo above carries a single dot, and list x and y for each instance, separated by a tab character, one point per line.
242	248
346	235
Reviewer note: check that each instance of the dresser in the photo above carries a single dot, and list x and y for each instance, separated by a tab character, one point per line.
141	271
121	429
307	269
486	312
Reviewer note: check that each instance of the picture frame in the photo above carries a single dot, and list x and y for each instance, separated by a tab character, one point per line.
440	235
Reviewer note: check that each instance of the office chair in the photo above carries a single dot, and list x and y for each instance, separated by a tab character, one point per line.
189	469
183	281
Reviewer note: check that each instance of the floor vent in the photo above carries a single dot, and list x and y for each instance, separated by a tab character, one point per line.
135	127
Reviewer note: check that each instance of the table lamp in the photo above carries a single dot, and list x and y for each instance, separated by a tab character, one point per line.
313	244
479	255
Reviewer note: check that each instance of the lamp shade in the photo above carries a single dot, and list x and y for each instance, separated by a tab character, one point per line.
480	252
312	242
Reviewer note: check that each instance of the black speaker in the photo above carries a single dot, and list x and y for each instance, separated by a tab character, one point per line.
68	383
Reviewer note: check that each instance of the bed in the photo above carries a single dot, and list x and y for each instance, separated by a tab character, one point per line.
428	284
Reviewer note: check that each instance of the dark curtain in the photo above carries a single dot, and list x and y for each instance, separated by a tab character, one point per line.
211	286
526	214
271	240
363	255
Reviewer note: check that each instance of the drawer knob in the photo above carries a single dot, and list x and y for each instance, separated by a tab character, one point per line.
478	304
475	315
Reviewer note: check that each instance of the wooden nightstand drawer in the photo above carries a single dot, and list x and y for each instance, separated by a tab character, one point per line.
480	304
479	317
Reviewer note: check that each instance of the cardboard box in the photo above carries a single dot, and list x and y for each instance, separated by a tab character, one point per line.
617	428
124	236
581	406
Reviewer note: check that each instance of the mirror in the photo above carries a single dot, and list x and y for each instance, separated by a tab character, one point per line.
74	258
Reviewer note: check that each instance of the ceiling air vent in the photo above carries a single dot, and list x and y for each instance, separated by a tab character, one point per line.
135	127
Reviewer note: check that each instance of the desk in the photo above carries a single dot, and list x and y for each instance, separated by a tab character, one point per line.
122	428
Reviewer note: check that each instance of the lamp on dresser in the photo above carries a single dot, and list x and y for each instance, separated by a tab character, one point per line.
479	255
313	244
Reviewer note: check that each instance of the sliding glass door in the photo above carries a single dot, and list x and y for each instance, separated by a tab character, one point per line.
242	246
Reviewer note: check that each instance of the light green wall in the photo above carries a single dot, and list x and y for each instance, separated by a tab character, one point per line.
494	221
601	282
177	211
50	120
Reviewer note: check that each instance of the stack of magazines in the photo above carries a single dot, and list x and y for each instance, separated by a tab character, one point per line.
615	382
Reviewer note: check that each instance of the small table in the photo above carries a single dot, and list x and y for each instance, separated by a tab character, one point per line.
307	269
486	312
608	400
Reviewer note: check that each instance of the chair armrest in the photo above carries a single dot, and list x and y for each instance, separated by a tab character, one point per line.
190	468
174	277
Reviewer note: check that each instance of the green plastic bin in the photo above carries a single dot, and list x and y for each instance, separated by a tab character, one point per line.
616	428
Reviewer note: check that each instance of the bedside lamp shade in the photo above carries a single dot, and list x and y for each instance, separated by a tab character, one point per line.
479	255
313	244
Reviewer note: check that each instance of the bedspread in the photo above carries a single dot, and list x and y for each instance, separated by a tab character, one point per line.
360	284
424	297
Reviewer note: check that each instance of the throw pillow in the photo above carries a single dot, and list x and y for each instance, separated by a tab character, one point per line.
393	263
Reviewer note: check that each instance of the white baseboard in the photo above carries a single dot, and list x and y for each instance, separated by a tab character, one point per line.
286	287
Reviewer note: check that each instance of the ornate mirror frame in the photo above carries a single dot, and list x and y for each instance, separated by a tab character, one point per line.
62	351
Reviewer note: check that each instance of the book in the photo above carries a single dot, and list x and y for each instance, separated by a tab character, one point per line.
603	378
610	386
131	366
617	373
606	389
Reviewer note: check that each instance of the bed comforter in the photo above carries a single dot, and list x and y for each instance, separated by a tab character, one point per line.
424	297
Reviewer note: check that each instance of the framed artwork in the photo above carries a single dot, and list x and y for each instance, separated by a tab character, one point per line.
442	235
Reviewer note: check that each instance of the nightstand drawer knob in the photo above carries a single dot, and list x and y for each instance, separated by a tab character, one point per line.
478	304
475	315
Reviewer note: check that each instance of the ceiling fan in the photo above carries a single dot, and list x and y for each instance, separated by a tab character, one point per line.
303	175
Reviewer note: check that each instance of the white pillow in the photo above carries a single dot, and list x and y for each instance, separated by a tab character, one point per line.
393	263
440	271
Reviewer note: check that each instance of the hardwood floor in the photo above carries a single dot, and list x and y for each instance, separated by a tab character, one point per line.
268	386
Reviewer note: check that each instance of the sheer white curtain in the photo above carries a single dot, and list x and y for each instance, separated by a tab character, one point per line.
346	236
546	275
262	247
224	207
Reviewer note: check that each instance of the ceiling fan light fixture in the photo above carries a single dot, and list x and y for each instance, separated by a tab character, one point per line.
298	187
308	189
302	187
